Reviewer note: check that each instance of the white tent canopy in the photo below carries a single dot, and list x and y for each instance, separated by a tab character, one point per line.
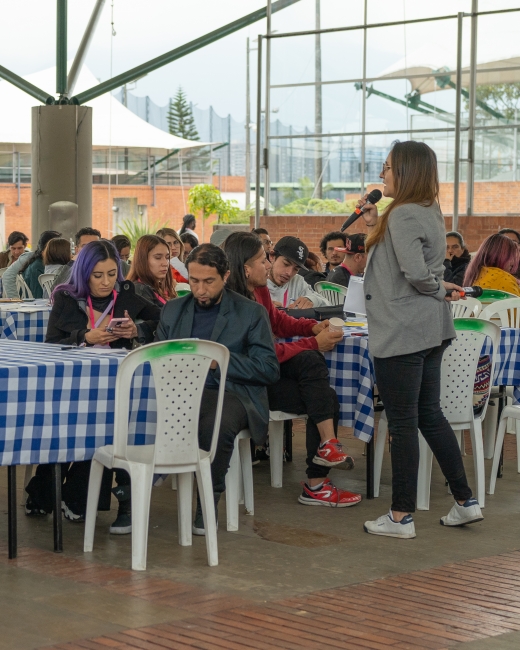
112	123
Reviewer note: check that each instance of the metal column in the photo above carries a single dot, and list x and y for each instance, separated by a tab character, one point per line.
458	103
472	110
267	109
258	134
248	128
18	177
61	47
364	100
318	112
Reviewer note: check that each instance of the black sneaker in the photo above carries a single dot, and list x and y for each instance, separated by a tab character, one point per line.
123	523
198	523
73	512
33	510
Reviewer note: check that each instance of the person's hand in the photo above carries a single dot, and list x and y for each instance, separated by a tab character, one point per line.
455	292
301	303
213	365
320	326
449	255
99	337
277	304
370	213
126	330
327	339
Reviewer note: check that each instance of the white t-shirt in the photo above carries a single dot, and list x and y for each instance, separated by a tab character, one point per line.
192	232
295	288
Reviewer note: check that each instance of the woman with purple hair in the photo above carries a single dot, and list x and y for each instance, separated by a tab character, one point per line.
81	313
494	264
95	294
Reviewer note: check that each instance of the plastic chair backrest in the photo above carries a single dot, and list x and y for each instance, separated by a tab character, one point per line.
459	367
507	312
46	281
182	289
22	288
465	308
334	293
491	295
179	371
2	271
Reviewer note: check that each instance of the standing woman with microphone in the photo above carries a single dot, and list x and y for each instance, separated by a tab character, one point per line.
410	326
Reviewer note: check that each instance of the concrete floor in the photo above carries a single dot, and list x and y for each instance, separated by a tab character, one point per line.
284	550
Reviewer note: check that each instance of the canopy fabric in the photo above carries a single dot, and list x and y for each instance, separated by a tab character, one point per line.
428	84
112	123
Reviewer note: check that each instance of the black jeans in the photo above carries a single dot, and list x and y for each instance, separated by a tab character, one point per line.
410	386
234	419
304	387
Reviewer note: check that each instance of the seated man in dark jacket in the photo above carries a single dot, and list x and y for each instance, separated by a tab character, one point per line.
354	261
214	313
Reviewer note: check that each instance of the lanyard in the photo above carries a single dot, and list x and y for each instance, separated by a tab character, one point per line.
285	297
112	305
161	300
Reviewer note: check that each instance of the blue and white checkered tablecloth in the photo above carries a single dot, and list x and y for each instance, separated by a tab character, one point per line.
507	364
58	405
23	326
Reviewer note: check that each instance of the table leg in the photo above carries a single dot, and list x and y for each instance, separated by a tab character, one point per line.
370	468
287	425
501	399
11	511
56	499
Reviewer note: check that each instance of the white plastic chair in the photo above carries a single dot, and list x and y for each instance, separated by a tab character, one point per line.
334	293
466	308
276	420
179	371
512	412
22	288
505	311
182	289
459	366
239	480
46	281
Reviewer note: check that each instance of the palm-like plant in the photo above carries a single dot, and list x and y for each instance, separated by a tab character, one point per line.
134	229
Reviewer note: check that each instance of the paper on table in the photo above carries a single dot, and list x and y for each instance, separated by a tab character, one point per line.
355	298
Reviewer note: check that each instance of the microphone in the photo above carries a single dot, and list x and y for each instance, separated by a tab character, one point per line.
471	292
373	197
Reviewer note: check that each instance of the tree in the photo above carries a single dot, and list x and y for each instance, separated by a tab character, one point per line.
207	200
180	117
503	98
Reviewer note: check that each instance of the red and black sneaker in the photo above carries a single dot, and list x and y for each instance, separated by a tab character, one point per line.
331	453
328	495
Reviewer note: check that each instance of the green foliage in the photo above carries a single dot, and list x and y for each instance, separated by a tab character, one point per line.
243	216
504	98
324	206
304	191
134	229
206	199
180	117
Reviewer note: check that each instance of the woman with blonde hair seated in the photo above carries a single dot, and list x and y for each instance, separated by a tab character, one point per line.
494	264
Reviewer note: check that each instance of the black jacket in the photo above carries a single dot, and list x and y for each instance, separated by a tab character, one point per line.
243	327
68	321
311	277
339	275
145	291
455	268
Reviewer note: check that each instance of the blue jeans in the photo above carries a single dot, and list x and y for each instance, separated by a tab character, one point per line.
410	386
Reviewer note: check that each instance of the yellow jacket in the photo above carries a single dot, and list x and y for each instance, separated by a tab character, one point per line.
493	278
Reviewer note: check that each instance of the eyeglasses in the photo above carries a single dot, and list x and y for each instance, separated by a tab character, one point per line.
385	168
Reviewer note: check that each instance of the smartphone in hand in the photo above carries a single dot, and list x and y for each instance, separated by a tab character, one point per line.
115	323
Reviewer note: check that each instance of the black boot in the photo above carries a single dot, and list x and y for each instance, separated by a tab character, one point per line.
123	524
198	524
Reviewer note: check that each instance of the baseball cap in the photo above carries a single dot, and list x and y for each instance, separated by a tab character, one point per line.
353	244
293	249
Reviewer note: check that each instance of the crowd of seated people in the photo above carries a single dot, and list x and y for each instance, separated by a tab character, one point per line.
240	292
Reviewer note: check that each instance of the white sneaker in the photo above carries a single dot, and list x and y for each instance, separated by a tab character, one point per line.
386	526
460	515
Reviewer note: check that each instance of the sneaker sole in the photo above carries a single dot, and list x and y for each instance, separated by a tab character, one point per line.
463	523
120	531
314	502
317	460
371	532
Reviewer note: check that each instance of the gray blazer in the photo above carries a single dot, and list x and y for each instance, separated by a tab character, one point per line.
243	327
403	286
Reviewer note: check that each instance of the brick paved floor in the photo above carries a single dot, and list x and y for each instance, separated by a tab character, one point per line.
291	577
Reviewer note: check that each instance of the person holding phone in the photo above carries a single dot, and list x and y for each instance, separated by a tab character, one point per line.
410	326
98	308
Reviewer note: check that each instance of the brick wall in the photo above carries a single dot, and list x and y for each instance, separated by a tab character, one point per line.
170	204
312	228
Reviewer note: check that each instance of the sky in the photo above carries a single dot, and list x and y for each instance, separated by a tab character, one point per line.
216	74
